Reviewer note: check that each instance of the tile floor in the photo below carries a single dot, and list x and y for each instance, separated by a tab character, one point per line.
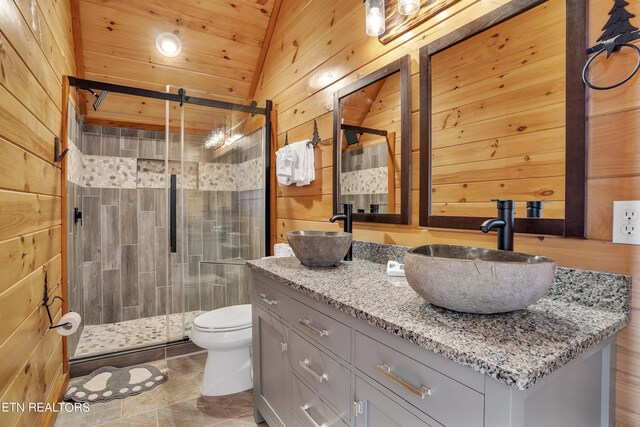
175	403
110	337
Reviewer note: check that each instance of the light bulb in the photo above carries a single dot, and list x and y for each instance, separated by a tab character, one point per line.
408	7
375	17
168	44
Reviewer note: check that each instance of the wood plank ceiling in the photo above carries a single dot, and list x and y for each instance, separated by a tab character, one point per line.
224	43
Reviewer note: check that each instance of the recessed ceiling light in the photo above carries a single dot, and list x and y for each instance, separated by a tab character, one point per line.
168	44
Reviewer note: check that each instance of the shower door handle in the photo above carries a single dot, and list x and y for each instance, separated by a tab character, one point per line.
172	215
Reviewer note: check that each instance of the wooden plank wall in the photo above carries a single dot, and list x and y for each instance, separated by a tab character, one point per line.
36	50
498	116
319	46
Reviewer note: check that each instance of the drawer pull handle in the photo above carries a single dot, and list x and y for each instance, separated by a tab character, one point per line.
305	364
307	324
264	298
305	409
385	370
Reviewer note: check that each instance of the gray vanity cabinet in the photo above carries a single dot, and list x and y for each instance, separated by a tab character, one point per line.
316	366
271	366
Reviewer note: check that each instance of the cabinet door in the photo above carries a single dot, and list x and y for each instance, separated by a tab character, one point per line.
271	365
380	411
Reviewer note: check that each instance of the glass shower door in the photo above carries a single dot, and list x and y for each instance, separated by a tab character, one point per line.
224	202
177	181
124	281
172	200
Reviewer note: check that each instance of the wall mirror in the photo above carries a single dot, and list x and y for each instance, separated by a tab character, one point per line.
372	146
502	116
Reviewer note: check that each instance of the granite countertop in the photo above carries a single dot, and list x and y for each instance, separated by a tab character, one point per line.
582	309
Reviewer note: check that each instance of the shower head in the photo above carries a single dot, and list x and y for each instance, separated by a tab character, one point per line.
352	136
99	98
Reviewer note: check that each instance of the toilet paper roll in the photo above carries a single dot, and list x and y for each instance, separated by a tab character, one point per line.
74	321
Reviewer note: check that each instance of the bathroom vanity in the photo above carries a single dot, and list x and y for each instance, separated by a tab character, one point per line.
350	346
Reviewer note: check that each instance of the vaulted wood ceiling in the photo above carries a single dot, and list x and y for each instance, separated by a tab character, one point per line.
223	47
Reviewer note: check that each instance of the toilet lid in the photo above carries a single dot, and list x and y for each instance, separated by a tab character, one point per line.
225	319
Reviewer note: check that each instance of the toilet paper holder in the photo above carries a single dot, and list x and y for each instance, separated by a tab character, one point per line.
47	304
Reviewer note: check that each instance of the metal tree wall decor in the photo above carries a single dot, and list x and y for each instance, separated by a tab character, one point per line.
618	32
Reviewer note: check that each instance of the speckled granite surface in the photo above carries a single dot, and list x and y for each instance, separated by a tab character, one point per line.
582	309
379	253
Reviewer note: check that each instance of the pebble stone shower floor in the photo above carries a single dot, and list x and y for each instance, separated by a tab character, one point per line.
107	338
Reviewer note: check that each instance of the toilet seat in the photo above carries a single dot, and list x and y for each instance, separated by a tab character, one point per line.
227	319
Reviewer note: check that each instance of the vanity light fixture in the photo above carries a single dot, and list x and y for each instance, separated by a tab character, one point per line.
375	14
168	44
408	7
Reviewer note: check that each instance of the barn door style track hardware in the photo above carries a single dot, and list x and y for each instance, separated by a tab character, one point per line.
181	97
313	142
47	304
618	32
57	155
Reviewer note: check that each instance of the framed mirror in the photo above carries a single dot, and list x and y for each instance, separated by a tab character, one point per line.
372	146
503	116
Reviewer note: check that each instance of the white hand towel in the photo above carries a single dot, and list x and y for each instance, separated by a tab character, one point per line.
285	159
304	167
308	166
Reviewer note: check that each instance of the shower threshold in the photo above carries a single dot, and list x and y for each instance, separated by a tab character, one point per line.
132	334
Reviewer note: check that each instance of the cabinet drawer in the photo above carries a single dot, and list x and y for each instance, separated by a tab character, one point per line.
326	376
321	328
380	411
442	398
310	409
271	299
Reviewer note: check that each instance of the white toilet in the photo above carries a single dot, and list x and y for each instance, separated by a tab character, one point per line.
226	334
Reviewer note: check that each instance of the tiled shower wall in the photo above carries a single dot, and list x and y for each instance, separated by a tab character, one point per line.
124	232
364	177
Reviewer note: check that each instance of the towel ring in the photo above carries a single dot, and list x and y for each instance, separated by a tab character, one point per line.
633	73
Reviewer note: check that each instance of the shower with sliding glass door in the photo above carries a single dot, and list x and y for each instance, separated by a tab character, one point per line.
165	202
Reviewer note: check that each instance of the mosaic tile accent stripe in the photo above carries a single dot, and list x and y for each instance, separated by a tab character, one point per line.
366	181
232	177
75	160
250	175
218	177
108	172
151	173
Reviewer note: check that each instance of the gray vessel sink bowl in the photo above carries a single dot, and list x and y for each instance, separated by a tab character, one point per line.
478	280
319	248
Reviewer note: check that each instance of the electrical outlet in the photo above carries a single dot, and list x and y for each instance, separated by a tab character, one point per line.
628	230
629	214
626	227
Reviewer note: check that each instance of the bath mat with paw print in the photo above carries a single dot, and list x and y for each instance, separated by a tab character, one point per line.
108	383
